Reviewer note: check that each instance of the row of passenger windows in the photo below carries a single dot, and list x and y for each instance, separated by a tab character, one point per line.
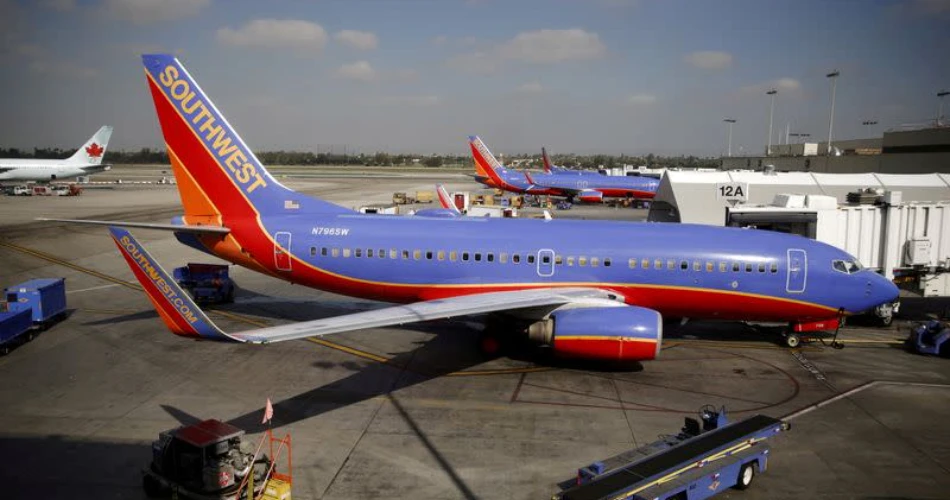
570	261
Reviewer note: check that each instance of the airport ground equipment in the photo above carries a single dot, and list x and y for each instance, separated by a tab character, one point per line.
30	307
707	457
15	327
932	337
208	460
207	283
564	205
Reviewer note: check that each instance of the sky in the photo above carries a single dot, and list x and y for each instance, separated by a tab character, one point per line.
576	76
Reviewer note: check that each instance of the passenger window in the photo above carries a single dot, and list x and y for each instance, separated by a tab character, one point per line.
696	265
405	254
606	262
358	252
723	267
382	253
313	251
658	264
582	261
735	267
346	253
774	268
503	258
570	261
441	255
515	258
632	263
490	257
546	259
428	254
453	256
416	254
709	267
558	260
531	259
594	262
645	263
393	253
748	267
478	257
323	251
464	256
762	267
684	265
670	265
369	252
336	252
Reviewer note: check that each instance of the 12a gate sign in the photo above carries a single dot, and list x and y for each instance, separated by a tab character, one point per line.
732	191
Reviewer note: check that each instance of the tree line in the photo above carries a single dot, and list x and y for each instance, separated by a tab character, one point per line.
304	158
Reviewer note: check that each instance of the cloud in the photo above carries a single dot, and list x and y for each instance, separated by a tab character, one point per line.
59	5
292	34
709	59
537	47
360	71
784	84
440	40
641	100
422	101
531	88
63	70
361	40
552	46
151	11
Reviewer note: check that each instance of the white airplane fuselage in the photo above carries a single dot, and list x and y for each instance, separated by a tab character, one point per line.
45	170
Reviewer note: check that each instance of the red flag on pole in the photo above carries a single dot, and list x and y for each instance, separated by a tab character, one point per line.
268	412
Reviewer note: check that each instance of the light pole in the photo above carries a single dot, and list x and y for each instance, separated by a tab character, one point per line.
831	125
869	124
730	121
941	95
771	93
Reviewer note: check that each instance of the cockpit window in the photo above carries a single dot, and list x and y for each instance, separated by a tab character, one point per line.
846	266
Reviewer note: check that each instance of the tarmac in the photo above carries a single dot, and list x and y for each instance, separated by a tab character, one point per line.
416	411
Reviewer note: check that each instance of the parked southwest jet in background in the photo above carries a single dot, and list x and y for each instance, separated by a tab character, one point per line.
593	289
87	160
550	168
587	188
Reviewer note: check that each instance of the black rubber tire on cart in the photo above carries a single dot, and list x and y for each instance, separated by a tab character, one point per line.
746	475
793	340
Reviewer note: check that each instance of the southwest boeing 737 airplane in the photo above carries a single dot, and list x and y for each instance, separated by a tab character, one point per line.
589	289
586	188
87	160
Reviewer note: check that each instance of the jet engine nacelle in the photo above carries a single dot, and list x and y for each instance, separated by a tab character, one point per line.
626	333
591	196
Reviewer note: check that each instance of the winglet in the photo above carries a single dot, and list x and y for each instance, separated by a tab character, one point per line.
174	306
528	177
546	160
445	200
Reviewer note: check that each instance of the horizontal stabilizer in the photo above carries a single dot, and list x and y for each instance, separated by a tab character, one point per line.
147	225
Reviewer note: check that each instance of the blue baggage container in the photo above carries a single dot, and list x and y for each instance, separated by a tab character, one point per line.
46	297
13	324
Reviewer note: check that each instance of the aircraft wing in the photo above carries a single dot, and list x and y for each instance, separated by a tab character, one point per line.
187	228
183	316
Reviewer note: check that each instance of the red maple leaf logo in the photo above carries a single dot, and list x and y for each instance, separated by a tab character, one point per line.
94	150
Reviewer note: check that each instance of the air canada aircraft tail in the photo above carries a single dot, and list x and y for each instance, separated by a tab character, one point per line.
217	174
94	149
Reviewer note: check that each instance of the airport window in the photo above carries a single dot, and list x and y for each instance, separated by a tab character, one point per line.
429	255
369	252
515	258
441	255
684	265
346	253
490	257
735	267
723	267
709	267
748	267
607	262
323	251
670	265
453	256
632	263
582	261
546	259
696	265
478	257
358	252
393	253
503	257
405	255
645	263
761	267
594	262
416	254
531	259
313	251
464	256
336	252
774	268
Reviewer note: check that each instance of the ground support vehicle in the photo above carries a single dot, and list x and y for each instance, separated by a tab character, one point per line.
701	461
15	326
30	307
207	283
932	337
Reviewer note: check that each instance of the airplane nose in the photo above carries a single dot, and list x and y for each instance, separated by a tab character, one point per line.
881	290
